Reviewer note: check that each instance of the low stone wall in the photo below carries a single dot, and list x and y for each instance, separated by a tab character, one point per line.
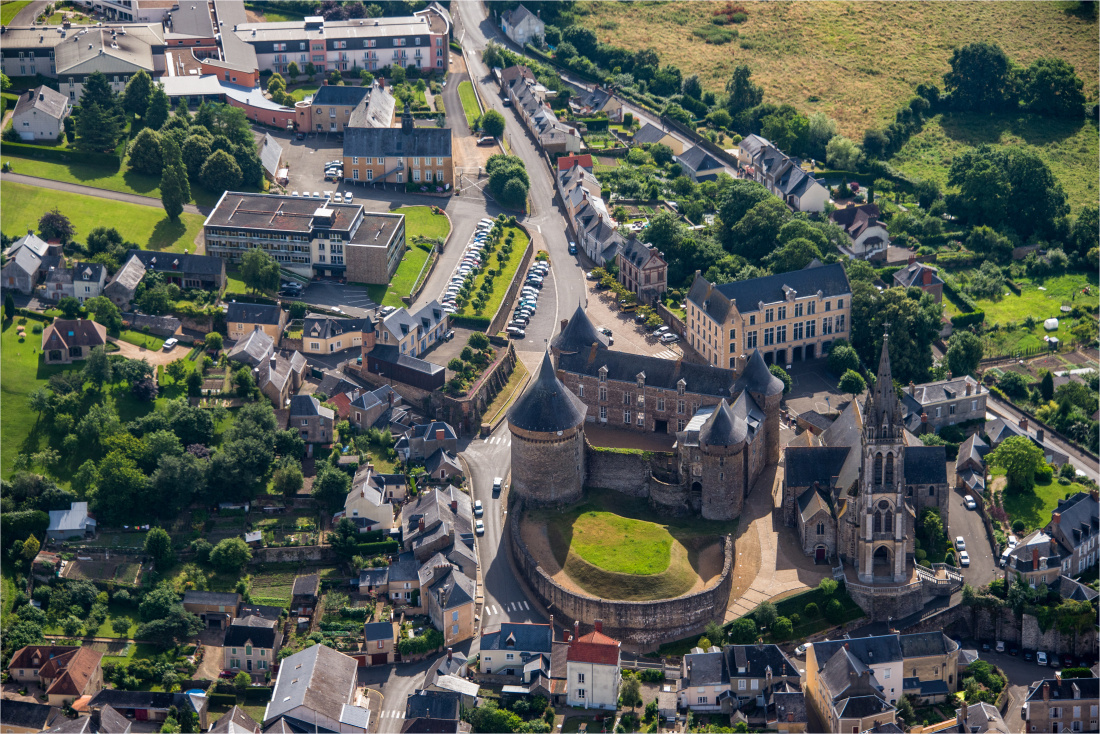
500	318
643	623
465	413
1002	624
290	344
295	554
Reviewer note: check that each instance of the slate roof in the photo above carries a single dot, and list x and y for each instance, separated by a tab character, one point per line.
62	334
547	405
831	280
212	598
755	659
789	706
32	242
151	700
822	464
26	715
319	326
75	518
930	393
649	133
306	585
391	354
337	96
525	637
261	610
130	274
1070	589
596	648
271	154
868	650
307	405
405	568
923	644
699	379
427	431
698	159
757	377
432	705
374	576
253	349
453	590
186	263
925	465
26	259
253	313
374	631
261	631
235	721
111	52
578	335
858	707
317	678
914	275
1060	690
44	100
985	717
519	14
723	428
972	449
440	459
810	503
706	669
394	142
1078	522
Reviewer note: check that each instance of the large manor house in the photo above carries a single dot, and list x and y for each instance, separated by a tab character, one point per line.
854	493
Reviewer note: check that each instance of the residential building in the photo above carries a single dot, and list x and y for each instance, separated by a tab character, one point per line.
789	317
522	26
311	419
241	319
70	55
451	605
24	266
867	235
370	408
82	282
308	236
566	162
760	161
1076	524
651	134
331	107
140	11
374	44
278	374
403	580
387	360
414	333
40	114
970	465
214	608
598	102
72	523
704	681
305	594
366	505
432	711
442	465
594	675
575	185
509	649
186	271
528	99
323	334
919	275
26	717
1054	704
596	232
315	690
729	678
378	643
786	711
235	721
375	110
931	406
64	673
399	155
66	341
124	284
642	270
425	439
1038	558
435	520
251	644
148	706
998	429
699	165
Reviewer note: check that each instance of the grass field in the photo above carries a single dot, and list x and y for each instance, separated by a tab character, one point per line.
469	104
9	10
419	222
619	544
114	611
147	226
1035	507
856	62
149	341
1069	147
306	90
21	373
502	281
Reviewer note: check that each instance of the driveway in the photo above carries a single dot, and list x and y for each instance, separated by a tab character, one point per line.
813	388
387	687
350	299
968	524
153	357
629	337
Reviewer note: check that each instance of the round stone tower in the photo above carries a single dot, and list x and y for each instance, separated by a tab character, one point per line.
547	425
767	390
723	473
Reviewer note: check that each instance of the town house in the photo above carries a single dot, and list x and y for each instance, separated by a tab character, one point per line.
323	334
378	643
65	673
522	26
760	161
312	420
82	282
593	672
241	319
1062	705
642	270
867	235
251	644
424	439
1076	524
216	609
366	505
918	275
934	405
508	650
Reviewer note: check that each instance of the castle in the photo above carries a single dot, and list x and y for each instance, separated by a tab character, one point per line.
726	427
855	493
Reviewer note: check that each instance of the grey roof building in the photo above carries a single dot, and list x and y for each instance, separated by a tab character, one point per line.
315	688
547	406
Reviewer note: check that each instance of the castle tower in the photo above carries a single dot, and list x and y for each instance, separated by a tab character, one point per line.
547	425
767	390
883	518
723	477
576	335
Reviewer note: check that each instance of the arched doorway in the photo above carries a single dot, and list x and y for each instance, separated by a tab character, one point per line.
882	562
819	554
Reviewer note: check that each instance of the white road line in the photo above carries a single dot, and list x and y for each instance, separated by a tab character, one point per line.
526	607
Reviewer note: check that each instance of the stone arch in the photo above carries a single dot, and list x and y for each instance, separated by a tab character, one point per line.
887	516
882	561
888	476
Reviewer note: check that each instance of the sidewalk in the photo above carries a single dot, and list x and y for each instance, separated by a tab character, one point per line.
45	183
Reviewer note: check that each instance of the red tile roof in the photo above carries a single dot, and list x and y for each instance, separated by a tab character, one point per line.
567	161
342	403
24	658
79	670
595	647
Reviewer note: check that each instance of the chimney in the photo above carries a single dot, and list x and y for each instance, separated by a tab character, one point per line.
564	323
961	716
551	628
454	505
420	525
370	468
439	434
1034	559
924	420
576	628
912	389
912	258
592	351
790	716
1039	433
927	277
599	625
969	388
1023	423
450	653
1046	692
1055	518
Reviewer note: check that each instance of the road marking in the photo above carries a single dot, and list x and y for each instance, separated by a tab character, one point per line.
526	607
538	229
667	354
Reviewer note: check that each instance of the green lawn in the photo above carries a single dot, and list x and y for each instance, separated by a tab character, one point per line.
271	15
134	651
138	339
1036	506
21	373
149	227
307	90
7	592
469	104
621	544
1070	148
114	611
419	222
502	281
112	178
10	101
9	10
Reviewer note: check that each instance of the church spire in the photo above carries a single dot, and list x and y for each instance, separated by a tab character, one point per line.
883	407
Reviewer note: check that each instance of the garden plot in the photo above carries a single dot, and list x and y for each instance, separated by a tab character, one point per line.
122	569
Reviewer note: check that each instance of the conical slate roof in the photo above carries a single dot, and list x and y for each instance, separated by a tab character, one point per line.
723	428
758	378
883	406
547	405
579	334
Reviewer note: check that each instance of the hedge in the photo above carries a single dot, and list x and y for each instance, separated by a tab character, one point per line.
952	291
375	549
62	155
957	259
21	525
257	693
34	315
222	699
455	47
594	124
964	320
475	323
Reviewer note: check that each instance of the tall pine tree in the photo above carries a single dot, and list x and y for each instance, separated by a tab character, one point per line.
135	99
97	91
175	190
182	112
156	112
96	130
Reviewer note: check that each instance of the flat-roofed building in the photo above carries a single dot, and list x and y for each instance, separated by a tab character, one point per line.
308	236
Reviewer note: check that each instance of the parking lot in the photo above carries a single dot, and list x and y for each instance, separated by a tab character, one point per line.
349	299
629	336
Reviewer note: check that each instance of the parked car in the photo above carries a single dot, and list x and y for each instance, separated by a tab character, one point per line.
301	135
572	248
590	275
479	527
1041	658
449	335
801	649
985	647
964	559
516	333
970	503
292	285
348	198
169	344
478	509
660	330
486	140
669	338
294	194
1000	646
498	484
604	330
960	543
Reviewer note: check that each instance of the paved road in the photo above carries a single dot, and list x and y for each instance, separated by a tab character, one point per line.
968	524
26	16
388	687
45	183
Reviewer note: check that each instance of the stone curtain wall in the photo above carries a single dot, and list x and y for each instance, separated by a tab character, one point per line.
646	624
617	470
991	625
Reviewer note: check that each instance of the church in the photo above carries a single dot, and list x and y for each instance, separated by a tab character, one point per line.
854	493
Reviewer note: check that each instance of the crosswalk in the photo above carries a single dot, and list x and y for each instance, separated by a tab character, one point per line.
504	439
492	610
667	354
392	714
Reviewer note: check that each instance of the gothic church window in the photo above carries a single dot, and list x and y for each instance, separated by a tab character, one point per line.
878	469
889	478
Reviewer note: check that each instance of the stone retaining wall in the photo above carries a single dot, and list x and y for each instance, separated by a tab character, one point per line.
625	473
643	623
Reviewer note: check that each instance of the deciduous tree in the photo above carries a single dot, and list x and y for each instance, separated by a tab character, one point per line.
97	131
231	555
259	270
144	155
743	94
980	79
852	383
55	225
220	172
1051	87
964	353
158	545
1021	459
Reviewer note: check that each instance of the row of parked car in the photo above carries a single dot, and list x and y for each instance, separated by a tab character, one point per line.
1040	657
332	196
528	299
467	266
